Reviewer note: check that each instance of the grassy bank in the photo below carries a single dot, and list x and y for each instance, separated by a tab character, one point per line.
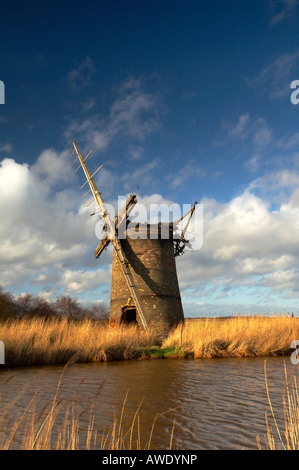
38	341
235	337
57	425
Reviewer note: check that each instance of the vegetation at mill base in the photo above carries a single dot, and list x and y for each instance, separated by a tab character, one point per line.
240	336
36	332
38	341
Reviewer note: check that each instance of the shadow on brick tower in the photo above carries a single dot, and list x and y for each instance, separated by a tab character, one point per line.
145	289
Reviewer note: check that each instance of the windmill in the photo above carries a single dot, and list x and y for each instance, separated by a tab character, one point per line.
144	280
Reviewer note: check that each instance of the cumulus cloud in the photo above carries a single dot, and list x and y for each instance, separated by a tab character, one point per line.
249	252
39	229
82	281
54	167
246	246
47	238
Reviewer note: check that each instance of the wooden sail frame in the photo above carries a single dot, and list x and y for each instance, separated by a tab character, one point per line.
111	231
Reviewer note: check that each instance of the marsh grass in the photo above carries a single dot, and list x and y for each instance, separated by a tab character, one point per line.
248	336
282	433
38	341
58	426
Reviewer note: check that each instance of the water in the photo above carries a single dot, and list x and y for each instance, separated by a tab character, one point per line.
216	404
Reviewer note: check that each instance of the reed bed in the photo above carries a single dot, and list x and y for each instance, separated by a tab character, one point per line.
37	341
58	426
234	337
282	434
55	341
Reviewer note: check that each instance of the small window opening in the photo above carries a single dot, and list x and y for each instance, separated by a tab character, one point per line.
128	316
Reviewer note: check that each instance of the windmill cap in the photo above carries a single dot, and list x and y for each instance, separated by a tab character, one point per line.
152	231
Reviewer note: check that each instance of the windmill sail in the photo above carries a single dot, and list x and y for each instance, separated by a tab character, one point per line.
112	231
119	219
181	242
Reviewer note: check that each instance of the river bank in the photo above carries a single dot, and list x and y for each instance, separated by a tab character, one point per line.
49	342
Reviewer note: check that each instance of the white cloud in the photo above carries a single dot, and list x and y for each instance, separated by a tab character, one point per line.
276	187
281	10
246	244
6	147
286	279
181	178
82	281
240	130
133	116
256	130
39	229
54	167
289	141
129	109
253	163
274	80
142	175
78	77
135	152
262	134
88	105
256	136
47	239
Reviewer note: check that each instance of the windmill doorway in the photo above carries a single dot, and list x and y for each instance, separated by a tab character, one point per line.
128	316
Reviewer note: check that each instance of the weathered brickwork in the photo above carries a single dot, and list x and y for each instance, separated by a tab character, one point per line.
154	272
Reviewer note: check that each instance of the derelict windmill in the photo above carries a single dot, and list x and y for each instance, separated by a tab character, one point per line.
144	287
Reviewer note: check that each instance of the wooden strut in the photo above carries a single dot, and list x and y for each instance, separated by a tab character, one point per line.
118	220
188	222
181	242
114	239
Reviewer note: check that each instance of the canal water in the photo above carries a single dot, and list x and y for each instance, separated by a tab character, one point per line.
204	404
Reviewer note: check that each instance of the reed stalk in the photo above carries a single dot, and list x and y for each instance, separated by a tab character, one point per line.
248	336
283	435
42	431
38	342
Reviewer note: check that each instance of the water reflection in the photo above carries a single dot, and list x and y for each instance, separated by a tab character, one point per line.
218	404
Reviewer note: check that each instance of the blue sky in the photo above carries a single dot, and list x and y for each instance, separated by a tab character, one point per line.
182	101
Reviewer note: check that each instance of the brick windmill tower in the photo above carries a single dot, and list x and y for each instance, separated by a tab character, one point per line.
145	288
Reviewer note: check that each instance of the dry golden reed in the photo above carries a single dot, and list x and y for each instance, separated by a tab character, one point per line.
283	433
37	341
58	426
235	337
